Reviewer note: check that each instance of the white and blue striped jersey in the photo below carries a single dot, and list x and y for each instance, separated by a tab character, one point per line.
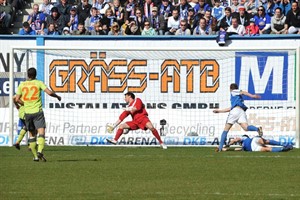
236	99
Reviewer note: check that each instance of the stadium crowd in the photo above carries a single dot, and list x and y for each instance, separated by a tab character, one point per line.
9	9
158	17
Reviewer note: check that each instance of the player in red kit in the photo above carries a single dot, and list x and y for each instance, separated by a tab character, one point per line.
140	119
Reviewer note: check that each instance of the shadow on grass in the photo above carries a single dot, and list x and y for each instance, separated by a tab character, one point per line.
80	160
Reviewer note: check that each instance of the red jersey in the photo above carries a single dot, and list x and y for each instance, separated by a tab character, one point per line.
252	30
141	110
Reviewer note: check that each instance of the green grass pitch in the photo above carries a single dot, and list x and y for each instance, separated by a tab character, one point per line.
148	173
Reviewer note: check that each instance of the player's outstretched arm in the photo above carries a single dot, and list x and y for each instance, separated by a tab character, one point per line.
52	94
253	96
222	110
110	127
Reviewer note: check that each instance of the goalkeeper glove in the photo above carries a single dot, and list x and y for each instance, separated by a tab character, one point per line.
110	128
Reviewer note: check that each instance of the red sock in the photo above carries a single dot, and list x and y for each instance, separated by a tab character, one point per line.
155	133
118	134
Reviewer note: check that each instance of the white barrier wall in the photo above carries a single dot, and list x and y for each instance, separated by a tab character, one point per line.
187	111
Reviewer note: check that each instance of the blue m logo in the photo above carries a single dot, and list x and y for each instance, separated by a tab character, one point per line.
264	73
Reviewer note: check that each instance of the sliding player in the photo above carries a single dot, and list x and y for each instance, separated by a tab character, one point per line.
30	92
258	143
237	113
137	110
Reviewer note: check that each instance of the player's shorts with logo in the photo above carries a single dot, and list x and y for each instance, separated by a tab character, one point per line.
35	121
236	115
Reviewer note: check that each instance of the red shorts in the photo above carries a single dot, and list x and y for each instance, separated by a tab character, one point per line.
138	124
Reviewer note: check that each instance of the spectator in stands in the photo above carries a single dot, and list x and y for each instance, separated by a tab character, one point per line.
226	20
83	10
183	9
17	6
148	30
5	15
50	30
108	20
243	2
292	22
90	21
37	19
63	8
224	3
101	6
218	11
148	5
81	30
193	3
98	29
277	22
45	7
183	30
234	6
173	23
192	19
57	19
157	22
118	11
270	7
211	22
27	30
166	9
115	29
129	7
202	7
66	31
243	16
175	3
236	28
140	19
252	29
263	21
132	28
285	6
72	19
202	28
251	7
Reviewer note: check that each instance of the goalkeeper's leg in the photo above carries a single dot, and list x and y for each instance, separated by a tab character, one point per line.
155	133
119	133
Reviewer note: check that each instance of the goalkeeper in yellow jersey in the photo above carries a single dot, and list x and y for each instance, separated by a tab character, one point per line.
29	93
21	124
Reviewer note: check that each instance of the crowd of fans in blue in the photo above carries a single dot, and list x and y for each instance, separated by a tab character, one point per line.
155	17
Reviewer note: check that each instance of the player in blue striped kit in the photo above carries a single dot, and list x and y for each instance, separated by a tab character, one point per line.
258	143
237	113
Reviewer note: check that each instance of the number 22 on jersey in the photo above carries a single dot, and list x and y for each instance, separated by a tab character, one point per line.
30	93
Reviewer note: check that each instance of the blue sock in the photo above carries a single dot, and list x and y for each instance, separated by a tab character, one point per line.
277	149
274	142
252	128
223	139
